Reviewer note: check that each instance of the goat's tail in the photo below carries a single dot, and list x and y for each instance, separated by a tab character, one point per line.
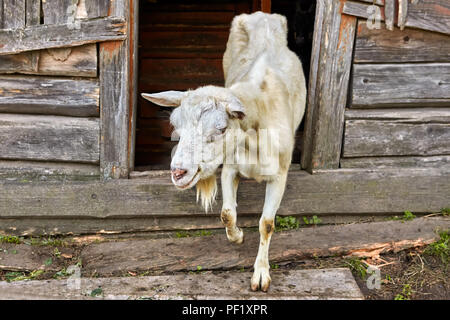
207	191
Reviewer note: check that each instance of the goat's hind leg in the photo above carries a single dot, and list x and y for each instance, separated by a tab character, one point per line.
274	193
230	182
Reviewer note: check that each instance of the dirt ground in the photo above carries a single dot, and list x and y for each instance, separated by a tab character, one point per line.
413	274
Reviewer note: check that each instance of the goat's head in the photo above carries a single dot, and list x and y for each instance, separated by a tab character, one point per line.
201	120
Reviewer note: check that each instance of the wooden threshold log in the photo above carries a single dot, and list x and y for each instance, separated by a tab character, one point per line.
62	35
327	192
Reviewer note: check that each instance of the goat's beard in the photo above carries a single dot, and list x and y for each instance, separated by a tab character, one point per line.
207	191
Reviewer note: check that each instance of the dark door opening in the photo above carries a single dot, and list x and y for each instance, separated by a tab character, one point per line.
181	45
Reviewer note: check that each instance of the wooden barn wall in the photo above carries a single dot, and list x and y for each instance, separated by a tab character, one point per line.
49	86
398	113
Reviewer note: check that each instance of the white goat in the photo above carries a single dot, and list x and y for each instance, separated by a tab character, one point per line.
264	96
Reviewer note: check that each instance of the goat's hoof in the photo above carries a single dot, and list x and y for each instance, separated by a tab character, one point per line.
260	280
237	236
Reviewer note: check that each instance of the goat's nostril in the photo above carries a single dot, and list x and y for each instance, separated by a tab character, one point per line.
178	173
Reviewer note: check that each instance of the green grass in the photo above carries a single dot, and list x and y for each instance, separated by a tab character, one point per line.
10	239
445	211
357	267
440	248
407	216
198	233
286	223
313	221
406	293
19	276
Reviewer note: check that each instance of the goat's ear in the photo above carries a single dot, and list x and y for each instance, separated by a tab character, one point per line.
165	98
235	109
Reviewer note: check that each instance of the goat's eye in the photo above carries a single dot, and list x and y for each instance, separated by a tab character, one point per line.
222	131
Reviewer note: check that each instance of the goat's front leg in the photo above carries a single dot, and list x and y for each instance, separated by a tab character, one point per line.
230	182
274	193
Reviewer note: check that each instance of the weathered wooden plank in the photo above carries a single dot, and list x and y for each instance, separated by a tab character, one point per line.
26	62
33	12
49	138
29	61
76	61
113	258
385	85
62	35
59	11
325	117
56	96
23	226
311	284
402	13
397	138
45	171
117	83
80	61
409	45
328	192
389	13
96	8
396	162
432	15
404	115
12	14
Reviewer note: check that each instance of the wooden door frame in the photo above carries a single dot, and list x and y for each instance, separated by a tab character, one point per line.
118	95
331	61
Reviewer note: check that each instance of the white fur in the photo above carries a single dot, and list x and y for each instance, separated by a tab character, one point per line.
264	92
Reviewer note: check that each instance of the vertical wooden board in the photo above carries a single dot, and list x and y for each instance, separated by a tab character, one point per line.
49	138
114	112
116	97
97	8
12	14
409	45
33	12
59	11
325	120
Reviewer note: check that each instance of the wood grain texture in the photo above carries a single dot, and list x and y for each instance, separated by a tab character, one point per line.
117	68
47	171
328	192
43	95
108	258
386	85
397	133
389	13
12	14
59	35
76	61
396	162
49	138
325	116
432	15
97	8
409	45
